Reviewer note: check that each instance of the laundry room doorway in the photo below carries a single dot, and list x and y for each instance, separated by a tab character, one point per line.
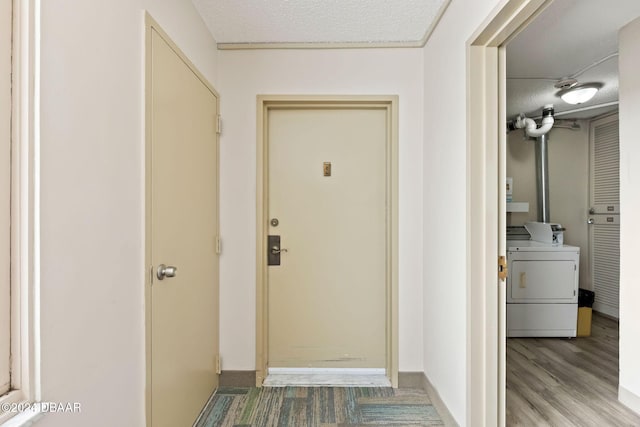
487	154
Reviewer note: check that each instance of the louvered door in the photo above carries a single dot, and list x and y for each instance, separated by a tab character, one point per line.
604	214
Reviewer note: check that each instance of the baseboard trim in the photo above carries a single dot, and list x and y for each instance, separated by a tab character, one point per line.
237	379
420	380
439	404
629	399
606	316
411	380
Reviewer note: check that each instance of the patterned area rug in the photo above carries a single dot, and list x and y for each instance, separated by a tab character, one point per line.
319	406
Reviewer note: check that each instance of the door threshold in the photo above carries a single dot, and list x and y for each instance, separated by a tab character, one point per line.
326	377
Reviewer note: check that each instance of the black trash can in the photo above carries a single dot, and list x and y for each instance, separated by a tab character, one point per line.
585	298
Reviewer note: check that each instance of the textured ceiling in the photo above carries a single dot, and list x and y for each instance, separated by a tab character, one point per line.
318	21
567	37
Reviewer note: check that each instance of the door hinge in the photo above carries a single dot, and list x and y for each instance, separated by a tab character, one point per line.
218	364
219	124
218	245
502	267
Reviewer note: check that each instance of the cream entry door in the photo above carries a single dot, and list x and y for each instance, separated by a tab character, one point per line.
327	197
184	226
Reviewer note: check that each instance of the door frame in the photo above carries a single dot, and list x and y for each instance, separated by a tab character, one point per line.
150	26
486	133
269	102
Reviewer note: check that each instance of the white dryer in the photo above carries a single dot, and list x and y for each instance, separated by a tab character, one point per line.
542	289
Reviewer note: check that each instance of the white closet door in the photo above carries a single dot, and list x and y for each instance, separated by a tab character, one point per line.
604	218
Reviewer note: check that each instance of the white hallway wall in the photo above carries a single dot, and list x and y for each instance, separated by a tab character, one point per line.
245	74
445	196
630	209
92	200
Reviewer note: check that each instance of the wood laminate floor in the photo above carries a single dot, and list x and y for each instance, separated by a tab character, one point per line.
566	382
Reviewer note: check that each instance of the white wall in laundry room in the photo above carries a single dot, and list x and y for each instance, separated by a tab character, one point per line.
568	184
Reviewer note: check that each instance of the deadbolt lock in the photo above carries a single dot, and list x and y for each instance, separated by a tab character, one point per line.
274	222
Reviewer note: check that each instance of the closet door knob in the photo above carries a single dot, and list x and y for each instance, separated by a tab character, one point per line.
166	271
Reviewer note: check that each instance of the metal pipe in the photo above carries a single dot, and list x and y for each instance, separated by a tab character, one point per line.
542	178
581	109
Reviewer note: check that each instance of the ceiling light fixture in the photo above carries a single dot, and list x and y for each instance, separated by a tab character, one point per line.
578	93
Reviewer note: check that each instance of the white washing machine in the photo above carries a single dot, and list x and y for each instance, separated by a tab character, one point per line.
542	289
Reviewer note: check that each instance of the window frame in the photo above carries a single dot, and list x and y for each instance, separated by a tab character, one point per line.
25	219
5	194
